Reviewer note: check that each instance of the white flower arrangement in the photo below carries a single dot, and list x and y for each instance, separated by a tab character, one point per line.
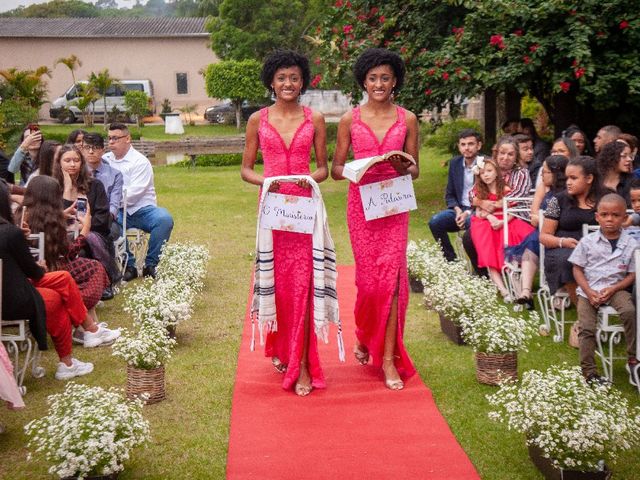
87	431
495	329
165	302
578	426
185	263
448	288
150	347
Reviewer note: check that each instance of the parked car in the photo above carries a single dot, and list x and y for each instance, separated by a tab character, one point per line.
225	112
65	106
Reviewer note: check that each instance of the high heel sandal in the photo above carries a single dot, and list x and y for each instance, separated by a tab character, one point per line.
303	390
391	384
526	299
278	365
362	356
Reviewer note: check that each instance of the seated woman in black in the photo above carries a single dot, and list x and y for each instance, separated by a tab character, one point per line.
566	213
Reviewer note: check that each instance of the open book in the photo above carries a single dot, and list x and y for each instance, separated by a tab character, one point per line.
357	168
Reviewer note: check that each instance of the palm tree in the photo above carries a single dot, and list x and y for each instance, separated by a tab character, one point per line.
71	62
102	81
27	85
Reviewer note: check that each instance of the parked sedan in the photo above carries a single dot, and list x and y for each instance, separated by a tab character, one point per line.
225	112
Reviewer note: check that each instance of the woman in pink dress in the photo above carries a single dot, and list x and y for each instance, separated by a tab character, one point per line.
285	133
379	246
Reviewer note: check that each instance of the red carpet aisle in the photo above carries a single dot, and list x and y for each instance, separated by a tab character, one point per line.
355	429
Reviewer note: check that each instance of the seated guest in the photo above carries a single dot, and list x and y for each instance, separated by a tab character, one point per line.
487	227
566	213
525	152
48	151
528	251
517	179
614	167
459	184
76	137
632	141
604	269
5	174
111	179
564	146
580	140
607	134
511	126
25	158
50	301
44	213
541	148
142	209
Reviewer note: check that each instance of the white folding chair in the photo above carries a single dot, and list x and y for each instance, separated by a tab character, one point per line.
518	207
608	334
15	333
137	239
635	372
548	302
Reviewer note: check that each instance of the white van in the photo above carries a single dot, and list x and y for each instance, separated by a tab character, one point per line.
115	98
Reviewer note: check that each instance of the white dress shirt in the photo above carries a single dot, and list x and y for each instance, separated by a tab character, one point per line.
137	176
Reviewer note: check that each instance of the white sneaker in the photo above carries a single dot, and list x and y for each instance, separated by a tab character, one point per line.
102	336
76	369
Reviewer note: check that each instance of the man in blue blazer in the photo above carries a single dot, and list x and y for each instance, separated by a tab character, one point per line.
457	215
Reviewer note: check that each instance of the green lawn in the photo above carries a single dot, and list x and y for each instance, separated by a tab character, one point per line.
190	429
148	132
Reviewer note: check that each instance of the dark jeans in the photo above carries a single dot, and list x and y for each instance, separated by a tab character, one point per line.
440	225
470	248
158	223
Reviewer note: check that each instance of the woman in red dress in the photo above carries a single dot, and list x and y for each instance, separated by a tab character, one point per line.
285	133
379	246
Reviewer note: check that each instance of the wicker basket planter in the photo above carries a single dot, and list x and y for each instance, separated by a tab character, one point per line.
550	472
491	368
451	330
141	381
416	285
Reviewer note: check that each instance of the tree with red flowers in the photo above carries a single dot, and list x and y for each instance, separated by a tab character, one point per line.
579	59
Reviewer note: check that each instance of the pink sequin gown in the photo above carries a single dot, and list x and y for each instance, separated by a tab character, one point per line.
379	247
292	255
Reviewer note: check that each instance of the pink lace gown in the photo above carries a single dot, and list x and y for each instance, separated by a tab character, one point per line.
379	247
292	255
8	389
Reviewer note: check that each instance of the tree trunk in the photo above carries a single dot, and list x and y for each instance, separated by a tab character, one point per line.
564	112
490	118
238	105
512	100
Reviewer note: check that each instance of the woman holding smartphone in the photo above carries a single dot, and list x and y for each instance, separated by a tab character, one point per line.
285	133
379	246
44	213
25	158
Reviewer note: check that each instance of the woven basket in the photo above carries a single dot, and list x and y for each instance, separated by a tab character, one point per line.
492	368
416	285
171	331
141	381
451	330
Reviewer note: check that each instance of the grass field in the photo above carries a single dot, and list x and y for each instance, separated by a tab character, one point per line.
190	429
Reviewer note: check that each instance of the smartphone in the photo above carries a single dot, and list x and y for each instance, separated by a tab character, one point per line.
23	218
34	127
81	206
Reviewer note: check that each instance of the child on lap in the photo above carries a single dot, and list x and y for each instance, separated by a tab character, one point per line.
604	268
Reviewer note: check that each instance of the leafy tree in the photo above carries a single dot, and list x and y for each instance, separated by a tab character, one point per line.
15	114
87	96
72	62
578	59
236	80
253	28
56	8
137	103
27	86
103	81
197	8
408	27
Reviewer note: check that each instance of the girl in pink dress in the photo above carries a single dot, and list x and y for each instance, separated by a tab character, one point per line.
379	246
486	228
285	133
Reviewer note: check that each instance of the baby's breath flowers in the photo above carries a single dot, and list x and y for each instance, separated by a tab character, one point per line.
578	426
148	348
87	431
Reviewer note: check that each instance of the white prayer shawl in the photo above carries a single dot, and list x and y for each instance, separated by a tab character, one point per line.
325	298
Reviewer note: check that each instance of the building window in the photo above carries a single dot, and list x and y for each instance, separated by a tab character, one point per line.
181	83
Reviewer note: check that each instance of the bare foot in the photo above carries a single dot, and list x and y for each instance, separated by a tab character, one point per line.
303	385
391	377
